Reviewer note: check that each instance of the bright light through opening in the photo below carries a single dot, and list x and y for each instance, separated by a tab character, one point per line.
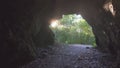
72	29
78	16
54	23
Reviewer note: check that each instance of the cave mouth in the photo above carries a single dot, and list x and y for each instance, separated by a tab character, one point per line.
72	29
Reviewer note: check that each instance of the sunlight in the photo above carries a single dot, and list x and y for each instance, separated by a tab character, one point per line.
54	23
72	29
78	16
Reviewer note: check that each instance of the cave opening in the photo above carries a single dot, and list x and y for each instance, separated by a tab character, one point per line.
72	29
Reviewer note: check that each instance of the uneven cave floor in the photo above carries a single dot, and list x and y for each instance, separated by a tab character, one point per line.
72	56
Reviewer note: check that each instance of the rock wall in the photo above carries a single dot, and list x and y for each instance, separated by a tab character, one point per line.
23	25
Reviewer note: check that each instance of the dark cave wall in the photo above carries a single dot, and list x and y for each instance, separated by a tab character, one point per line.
116	26
23	26
41	33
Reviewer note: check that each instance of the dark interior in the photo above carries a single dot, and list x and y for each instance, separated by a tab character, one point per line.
24	25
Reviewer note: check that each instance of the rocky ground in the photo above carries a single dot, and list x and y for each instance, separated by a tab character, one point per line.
72	56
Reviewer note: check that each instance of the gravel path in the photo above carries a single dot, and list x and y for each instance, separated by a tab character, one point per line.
72	56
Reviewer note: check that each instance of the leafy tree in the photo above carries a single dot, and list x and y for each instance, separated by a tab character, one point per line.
74	29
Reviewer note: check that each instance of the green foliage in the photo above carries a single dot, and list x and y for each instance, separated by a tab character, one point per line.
74	29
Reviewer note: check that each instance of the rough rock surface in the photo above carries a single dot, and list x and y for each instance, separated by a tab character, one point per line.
72	56
24	24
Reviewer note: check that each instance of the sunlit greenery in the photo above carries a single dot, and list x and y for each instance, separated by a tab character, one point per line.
73	29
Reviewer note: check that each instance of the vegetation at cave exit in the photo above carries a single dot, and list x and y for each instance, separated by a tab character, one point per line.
73	29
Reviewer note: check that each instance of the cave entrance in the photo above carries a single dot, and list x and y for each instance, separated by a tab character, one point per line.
73	29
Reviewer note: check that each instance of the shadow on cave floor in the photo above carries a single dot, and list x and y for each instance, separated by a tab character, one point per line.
72	56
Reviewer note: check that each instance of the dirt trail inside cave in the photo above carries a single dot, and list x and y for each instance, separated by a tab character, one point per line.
72	56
